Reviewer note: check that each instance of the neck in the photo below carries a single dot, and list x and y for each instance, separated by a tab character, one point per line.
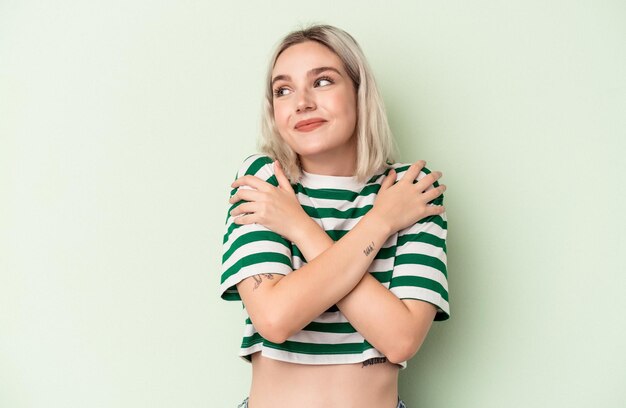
336	163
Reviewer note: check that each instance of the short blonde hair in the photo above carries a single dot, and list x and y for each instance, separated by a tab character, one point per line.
375	146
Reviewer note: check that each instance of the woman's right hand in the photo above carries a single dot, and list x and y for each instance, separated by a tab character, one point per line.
404	203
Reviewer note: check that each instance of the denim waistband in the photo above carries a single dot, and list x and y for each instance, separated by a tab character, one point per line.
244	404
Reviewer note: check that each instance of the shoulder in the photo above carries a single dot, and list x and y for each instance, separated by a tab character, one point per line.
259	165
401	169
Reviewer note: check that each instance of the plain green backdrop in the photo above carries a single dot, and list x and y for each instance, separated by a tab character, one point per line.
122	124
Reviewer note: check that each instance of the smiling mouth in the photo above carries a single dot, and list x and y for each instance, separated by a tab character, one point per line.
309	126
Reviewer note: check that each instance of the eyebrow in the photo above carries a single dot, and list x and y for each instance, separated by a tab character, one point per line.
312	72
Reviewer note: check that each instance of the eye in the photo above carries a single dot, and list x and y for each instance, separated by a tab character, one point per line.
281	91
324	81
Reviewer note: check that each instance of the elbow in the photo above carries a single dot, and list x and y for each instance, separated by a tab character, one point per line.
403	350
272	329
398	356
273	335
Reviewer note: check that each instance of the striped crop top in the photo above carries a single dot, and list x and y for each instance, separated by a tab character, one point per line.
411	263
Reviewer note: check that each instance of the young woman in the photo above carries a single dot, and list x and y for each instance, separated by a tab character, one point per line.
338	255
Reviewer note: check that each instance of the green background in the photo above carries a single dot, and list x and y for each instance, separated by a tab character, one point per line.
122	124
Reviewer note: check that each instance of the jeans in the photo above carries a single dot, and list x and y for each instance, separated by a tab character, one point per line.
244	404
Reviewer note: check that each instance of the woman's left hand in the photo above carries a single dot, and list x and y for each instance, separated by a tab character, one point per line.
276	208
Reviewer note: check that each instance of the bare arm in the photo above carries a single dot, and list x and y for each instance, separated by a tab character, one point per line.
282	306
398	338
369	305
302	296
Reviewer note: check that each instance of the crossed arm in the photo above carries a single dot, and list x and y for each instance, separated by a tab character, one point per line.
281	305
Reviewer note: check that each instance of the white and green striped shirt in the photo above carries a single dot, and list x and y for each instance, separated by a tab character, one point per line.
411	263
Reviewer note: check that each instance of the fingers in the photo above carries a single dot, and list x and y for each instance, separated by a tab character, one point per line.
246	194
433	193
389	180
245	219
283	181
434	210
413	171
428	180
243	209
252	181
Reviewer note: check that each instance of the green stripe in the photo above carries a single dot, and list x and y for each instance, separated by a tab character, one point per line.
332	309
383	253
255	236
330	327
230	230
311	348
424	237
336	193
251	340
325	327
231	294
386	253
421	259
405	167
295	251
307	348
334	213
382	277
256	259
441	315
436	219
425	170
402	169
336	235
438	200
257	164
420	282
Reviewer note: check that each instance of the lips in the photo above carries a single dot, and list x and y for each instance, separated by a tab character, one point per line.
309	124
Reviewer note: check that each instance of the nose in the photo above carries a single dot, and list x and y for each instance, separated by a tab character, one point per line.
304	101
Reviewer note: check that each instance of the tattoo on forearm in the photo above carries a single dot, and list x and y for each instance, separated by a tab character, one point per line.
258	279
369	249
375	360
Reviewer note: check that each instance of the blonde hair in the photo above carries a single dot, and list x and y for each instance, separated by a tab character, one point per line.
375	146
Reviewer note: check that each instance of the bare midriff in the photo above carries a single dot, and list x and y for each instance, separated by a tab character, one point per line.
278	384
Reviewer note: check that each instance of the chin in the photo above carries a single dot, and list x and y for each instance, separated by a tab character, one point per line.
312	151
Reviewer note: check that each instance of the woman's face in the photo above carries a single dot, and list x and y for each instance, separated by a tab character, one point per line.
315	105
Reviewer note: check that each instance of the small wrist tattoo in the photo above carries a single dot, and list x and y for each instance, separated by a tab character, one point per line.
369	249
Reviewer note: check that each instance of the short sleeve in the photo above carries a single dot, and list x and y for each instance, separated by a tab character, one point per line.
252	249
420	265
